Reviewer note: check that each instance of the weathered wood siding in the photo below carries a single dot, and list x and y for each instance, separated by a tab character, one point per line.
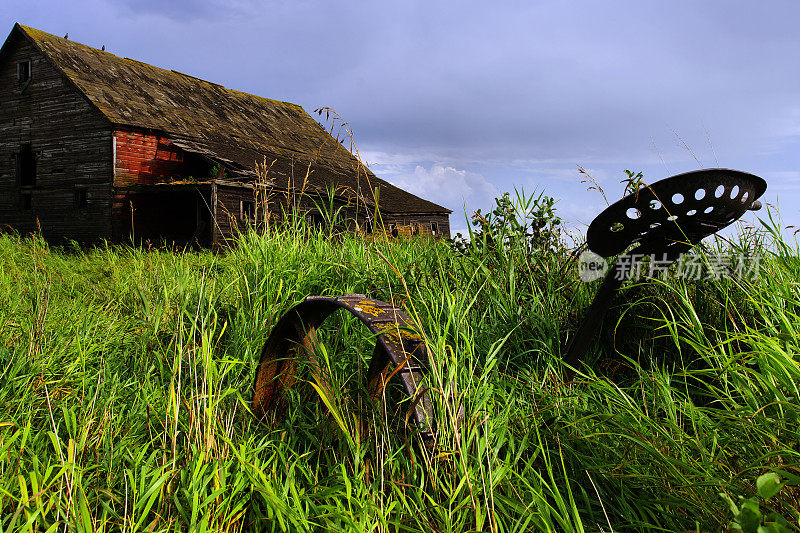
407	225
71	142
227	204
413	225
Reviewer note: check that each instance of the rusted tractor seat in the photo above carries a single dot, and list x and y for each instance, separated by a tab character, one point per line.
662	220
398	350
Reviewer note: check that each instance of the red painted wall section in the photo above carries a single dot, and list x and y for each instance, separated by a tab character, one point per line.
144	159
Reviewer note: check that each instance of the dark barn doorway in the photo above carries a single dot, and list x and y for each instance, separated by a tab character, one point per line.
179	217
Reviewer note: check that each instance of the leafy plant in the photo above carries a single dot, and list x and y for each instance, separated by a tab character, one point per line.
634	181
217	172
747	515
528	223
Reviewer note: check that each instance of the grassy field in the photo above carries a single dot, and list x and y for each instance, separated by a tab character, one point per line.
127	374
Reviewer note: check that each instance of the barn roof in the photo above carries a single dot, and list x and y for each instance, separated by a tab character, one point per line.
235	126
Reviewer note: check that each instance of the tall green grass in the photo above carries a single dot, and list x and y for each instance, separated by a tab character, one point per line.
127	374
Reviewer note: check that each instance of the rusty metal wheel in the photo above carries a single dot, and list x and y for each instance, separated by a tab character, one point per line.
398	351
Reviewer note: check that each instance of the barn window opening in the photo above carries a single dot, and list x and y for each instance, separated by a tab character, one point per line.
247	211
434	228
26	202
80	199
23	71
26	165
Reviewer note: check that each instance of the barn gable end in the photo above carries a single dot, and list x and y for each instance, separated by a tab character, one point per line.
50	132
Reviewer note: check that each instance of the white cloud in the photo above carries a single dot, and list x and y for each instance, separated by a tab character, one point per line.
387	164
447	186
377	157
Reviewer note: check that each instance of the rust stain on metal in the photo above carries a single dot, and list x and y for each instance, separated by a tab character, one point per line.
368	308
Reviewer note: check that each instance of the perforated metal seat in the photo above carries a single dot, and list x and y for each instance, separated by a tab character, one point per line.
664	219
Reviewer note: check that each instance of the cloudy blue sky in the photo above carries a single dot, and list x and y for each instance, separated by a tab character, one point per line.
460	101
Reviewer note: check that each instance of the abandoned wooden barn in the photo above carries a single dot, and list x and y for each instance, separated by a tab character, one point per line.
95	146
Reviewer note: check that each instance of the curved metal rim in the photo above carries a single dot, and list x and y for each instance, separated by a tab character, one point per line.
397	345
